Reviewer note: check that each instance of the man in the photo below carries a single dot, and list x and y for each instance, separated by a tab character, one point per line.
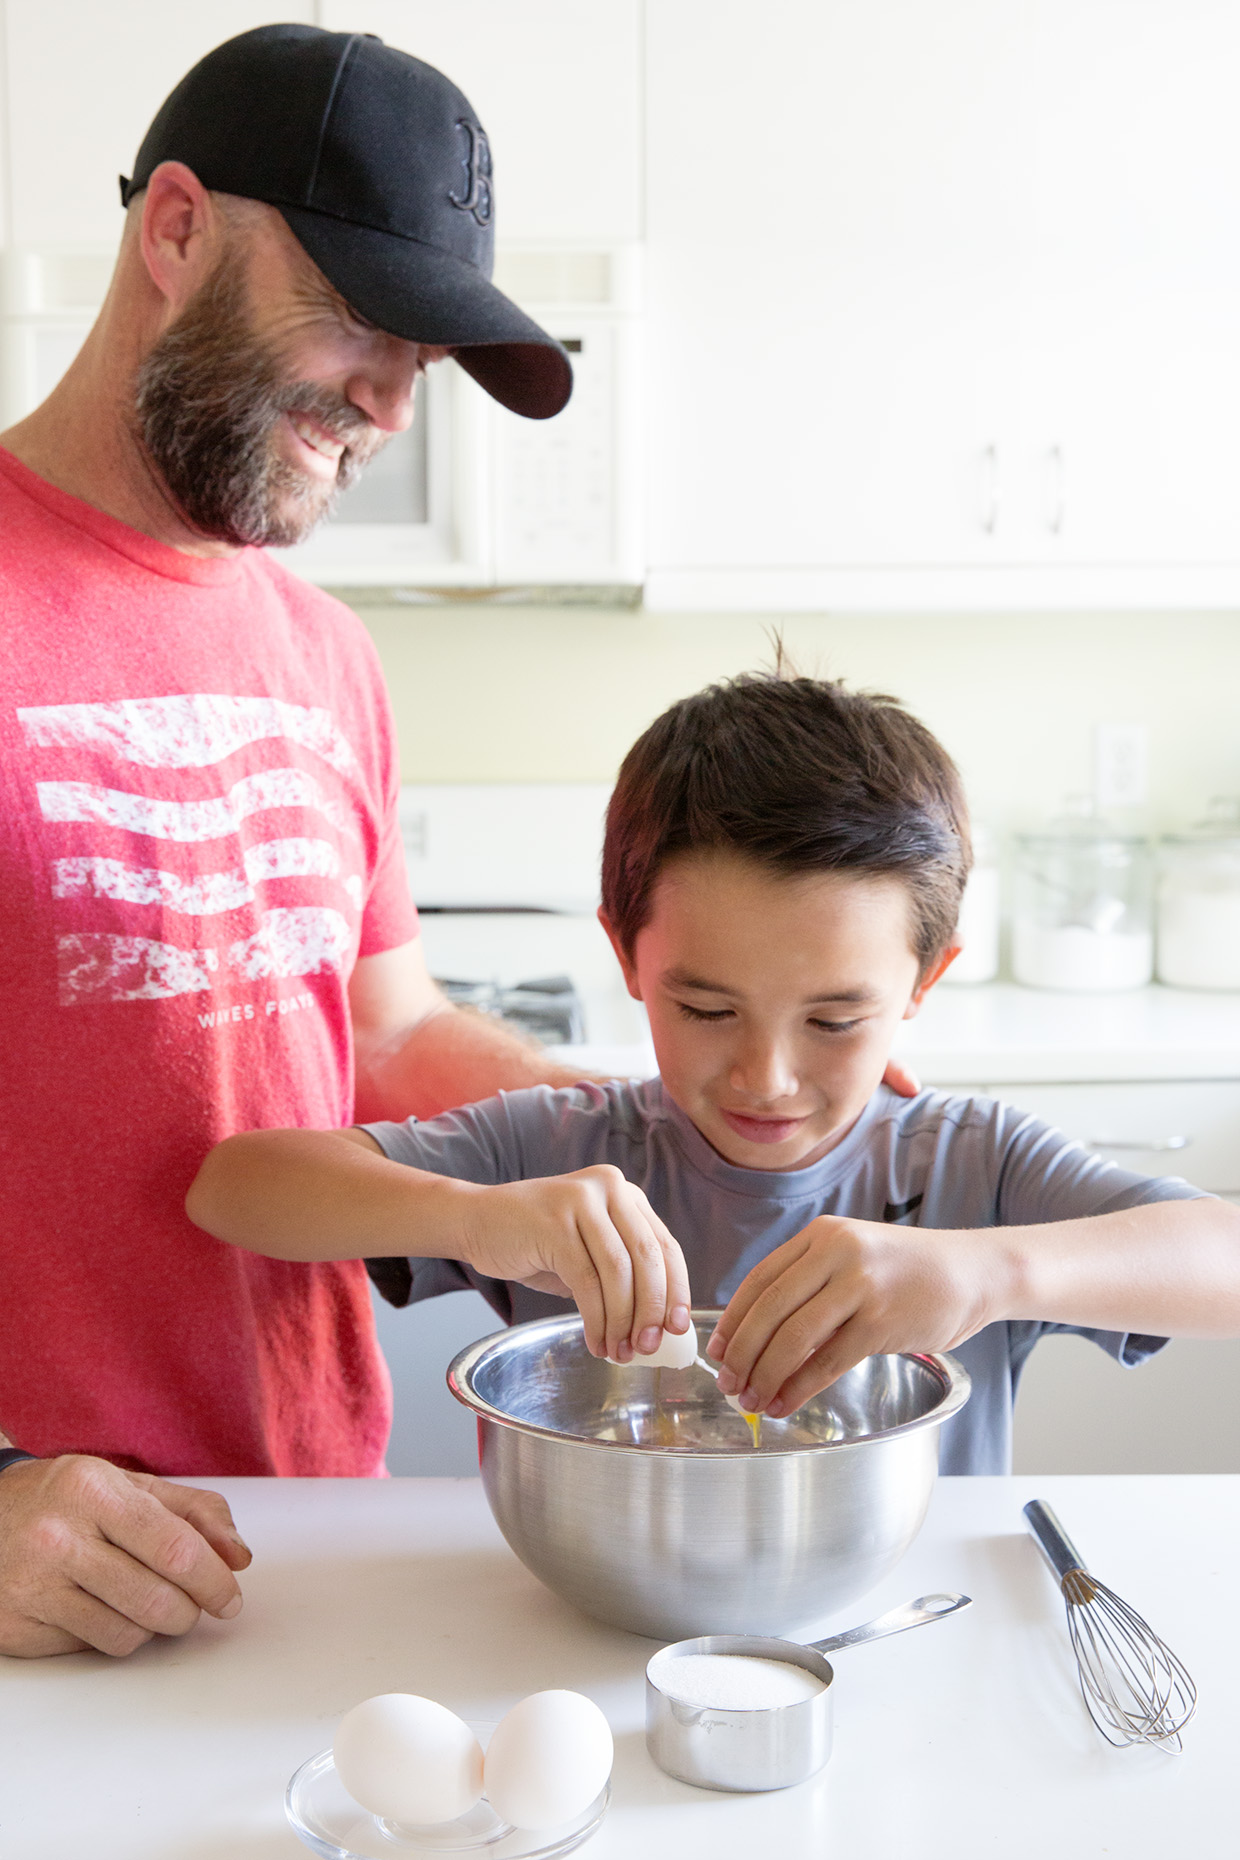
206	925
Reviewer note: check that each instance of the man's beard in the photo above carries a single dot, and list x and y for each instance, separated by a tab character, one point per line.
210	396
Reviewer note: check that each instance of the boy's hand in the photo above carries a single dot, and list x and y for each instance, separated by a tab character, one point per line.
842	1290
594	1235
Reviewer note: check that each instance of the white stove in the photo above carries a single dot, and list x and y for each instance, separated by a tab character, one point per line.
506	880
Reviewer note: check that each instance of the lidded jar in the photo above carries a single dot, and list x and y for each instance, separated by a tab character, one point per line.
1199	901
1082	906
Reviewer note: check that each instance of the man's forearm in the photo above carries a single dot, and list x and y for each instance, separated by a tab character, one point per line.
448	1058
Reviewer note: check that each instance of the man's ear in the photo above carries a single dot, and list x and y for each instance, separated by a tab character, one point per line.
622	955
933	974
180	227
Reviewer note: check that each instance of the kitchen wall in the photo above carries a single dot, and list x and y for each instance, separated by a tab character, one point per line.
557	694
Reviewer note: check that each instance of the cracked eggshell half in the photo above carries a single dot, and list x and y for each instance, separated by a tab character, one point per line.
674	1352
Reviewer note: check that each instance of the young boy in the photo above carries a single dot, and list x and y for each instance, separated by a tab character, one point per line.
782	873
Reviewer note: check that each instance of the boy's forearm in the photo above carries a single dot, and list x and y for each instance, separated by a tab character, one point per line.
321	1194
1168	1268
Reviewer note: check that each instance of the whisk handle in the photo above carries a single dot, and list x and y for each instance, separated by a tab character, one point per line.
1053	1541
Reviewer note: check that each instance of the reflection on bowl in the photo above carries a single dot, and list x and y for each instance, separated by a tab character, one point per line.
648	1506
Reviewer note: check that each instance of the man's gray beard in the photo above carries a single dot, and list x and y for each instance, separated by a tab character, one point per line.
210	395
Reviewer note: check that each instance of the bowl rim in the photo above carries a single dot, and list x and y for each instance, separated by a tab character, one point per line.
955	1379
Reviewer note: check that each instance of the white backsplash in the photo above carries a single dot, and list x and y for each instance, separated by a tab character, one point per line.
522	844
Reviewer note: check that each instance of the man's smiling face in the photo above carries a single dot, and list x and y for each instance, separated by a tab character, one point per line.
773	1001
267	395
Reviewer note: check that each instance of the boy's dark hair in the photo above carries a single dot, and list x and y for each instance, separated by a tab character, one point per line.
802	776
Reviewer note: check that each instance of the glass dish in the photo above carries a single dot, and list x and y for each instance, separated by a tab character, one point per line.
324	1815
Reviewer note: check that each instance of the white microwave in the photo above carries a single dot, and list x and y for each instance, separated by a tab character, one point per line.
472	496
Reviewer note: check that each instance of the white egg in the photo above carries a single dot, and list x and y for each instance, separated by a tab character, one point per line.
674	1352
548	1759
408	1759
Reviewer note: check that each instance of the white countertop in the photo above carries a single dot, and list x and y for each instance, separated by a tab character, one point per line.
998	1033
961	1740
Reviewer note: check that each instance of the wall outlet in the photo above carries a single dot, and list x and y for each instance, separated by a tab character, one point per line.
1121	764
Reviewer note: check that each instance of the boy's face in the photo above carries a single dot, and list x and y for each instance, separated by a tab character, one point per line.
773	1001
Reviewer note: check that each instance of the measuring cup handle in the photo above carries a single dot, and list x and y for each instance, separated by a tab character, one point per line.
909	1615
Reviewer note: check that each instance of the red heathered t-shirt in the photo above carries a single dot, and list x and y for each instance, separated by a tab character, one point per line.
198	838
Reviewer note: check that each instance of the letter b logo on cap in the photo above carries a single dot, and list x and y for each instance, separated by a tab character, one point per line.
477	198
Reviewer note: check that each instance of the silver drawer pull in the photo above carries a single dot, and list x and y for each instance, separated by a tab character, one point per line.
1154	1144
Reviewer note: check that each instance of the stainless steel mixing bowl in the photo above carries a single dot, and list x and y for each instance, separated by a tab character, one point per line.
637	1494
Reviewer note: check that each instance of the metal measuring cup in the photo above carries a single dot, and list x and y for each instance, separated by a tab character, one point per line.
767	1747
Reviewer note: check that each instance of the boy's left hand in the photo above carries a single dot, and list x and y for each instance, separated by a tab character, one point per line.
842	1290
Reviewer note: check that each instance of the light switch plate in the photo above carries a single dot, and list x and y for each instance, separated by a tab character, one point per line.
1121	764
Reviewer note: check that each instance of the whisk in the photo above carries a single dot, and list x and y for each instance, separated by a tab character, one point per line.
1135	1689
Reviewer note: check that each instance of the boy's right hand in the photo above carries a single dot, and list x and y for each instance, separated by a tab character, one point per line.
592	1236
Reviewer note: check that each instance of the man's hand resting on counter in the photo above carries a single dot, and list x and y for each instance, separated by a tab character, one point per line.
92	1556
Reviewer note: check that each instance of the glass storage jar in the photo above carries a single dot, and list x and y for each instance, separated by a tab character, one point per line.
1199	901
978	924
1082	907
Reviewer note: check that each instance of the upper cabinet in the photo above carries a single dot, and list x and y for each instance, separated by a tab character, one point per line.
82	83
944	303
557	86
79	83
876	303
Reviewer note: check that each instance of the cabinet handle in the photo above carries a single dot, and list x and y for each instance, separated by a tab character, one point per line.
1155	1144
1056	491
989	509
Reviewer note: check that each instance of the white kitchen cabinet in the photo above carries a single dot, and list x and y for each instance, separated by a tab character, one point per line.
1129	367
1157	1127
79	84
826	376
944	311
557	86
1076	1411
82	84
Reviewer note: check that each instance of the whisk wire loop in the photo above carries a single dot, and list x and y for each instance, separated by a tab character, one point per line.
1135	1689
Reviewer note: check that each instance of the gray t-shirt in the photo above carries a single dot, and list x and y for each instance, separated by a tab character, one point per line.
929	1161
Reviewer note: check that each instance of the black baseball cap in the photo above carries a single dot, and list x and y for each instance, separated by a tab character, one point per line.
382	170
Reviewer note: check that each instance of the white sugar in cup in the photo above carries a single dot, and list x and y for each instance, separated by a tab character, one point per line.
739	1712
732	1681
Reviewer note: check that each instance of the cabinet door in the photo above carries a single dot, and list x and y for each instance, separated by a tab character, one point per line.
945	287
82	84
1129	338
831	260
556	84
1183	1128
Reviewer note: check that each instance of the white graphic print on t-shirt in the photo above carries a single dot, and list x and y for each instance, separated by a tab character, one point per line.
192	732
